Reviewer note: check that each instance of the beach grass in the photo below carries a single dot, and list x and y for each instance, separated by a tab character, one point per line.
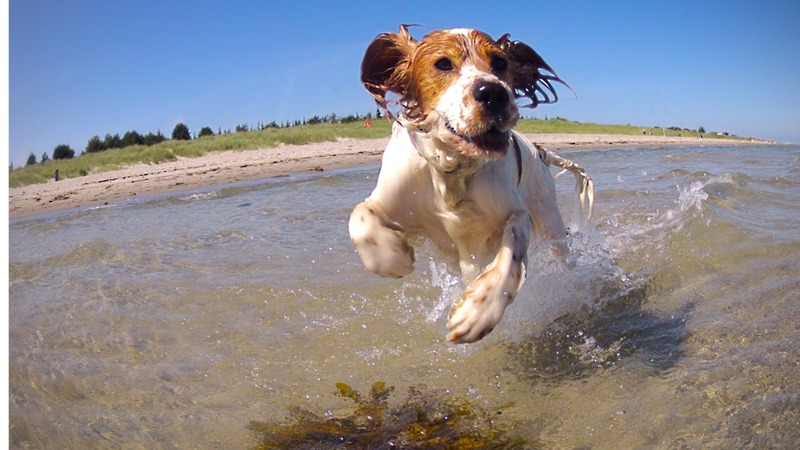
569	127
170	150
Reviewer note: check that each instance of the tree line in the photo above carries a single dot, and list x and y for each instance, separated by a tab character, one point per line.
181	132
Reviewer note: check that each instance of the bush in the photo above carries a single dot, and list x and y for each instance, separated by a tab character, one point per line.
205	131
181	133
64	151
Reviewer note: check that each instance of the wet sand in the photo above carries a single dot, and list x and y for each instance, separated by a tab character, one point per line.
234	166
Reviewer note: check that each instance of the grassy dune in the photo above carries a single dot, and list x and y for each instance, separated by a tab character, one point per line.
170	150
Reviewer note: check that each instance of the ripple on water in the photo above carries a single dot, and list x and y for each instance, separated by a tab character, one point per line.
183	320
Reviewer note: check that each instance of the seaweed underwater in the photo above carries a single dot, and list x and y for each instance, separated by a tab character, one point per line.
423	420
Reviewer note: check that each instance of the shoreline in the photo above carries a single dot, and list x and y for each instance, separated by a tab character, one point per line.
226	167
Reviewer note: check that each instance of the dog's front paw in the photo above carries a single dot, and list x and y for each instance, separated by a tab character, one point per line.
478	310
381	245
386	253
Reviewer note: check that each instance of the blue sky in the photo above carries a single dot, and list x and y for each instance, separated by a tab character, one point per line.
84	68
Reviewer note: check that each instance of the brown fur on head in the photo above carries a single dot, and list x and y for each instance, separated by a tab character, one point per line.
387	66
463	78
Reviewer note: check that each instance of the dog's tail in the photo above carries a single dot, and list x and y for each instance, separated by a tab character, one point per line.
584	186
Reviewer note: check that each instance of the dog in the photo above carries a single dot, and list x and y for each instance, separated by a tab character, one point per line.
455	171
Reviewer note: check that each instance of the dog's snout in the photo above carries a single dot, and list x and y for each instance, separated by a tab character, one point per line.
493	96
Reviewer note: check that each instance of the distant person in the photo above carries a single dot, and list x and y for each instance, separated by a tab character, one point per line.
367	123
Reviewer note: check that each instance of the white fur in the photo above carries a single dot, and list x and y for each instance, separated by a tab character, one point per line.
481	211
453	104
470	219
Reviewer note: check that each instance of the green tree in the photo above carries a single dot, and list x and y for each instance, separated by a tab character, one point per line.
31	160
45	157
153	139
64	151
132	138
205	131
181	132
112	141
701	130
94	145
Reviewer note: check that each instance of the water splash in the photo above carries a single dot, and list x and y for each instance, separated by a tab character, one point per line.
556	285
692	197
199	196
583	280
450	285
628	233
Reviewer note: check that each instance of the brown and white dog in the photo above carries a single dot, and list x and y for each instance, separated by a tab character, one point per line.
455	172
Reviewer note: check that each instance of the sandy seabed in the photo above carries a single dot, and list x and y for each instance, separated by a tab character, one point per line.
226	167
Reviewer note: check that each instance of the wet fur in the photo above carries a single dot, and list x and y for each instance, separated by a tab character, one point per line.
449	172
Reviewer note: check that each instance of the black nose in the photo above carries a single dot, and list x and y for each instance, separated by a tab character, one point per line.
493	96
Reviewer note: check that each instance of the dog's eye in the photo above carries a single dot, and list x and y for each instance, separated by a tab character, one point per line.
444	64
499	64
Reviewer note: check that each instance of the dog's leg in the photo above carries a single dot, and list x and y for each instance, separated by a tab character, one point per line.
584	187
483	302
380	242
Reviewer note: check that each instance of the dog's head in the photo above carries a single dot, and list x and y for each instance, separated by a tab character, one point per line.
459	85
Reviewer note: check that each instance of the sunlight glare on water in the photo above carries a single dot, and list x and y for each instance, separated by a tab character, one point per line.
176	321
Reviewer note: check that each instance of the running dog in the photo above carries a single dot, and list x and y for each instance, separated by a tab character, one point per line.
456	172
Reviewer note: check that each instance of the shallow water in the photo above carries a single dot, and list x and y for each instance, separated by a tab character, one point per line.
176	321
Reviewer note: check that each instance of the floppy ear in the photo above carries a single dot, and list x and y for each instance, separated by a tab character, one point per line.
385	65
528	79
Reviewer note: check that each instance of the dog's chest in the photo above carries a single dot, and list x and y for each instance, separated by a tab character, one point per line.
463	210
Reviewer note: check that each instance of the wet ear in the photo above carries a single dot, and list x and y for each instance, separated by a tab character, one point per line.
385	65
532	77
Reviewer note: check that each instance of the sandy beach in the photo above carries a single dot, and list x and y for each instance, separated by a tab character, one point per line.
220	168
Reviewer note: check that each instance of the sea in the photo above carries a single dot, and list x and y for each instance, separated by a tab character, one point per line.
240	316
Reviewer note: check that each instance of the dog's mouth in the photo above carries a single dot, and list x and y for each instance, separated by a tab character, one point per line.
492	142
